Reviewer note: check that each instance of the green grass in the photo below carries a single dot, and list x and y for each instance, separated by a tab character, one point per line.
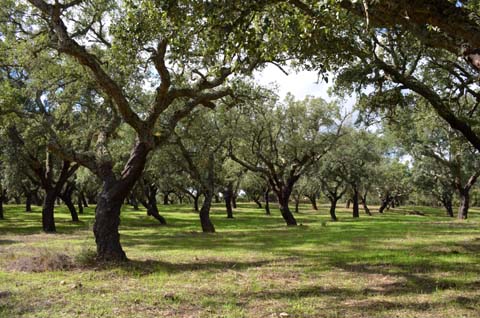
391	265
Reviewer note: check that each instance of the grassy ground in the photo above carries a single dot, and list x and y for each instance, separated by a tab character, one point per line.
392	265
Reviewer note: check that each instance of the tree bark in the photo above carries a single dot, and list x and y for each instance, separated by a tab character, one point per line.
150	203
347	205
364	204
71	208
48	220
283	198
66	197
112	195
464	204
333	205
384	204
267	202
356	212
297	203
228	197
83	199
234	201
80	206
105	229
447	204
195	202
313	201
207	225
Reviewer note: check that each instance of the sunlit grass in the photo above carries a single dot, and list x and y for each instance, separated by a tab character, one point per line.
391	265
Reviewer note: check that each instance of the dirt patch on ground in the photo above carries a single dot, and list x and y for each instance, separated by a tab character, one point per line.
41	261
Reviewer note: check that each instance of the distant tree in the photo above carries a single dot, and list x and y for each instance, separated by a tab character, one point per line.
280	141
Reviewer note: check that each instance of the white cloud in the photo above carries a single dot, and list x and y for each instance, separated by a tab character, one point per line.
300	84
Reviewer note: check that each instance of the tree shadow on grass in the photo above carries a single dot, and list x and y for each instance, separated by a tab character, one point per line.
409	279
149	266
8	242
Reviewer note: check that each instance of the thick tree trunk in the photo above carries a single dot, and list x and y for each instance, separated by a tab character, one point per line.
48	221
112	195
105	228
333	206
267	202
464	204
228	197
283	198
234	201
207	225
356	212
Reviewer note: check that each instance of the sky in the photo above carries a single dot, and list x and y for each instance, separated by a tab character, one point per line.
300	84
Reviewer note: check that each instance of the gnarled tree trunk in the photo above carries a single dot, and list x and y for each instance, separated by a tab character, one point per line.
283	198
364	203
206	223
66	197
464	204
150	192
112	195
48	220
333	206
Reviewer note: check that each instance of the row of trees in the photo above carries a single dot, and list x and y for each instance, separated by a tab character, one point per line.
78	90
